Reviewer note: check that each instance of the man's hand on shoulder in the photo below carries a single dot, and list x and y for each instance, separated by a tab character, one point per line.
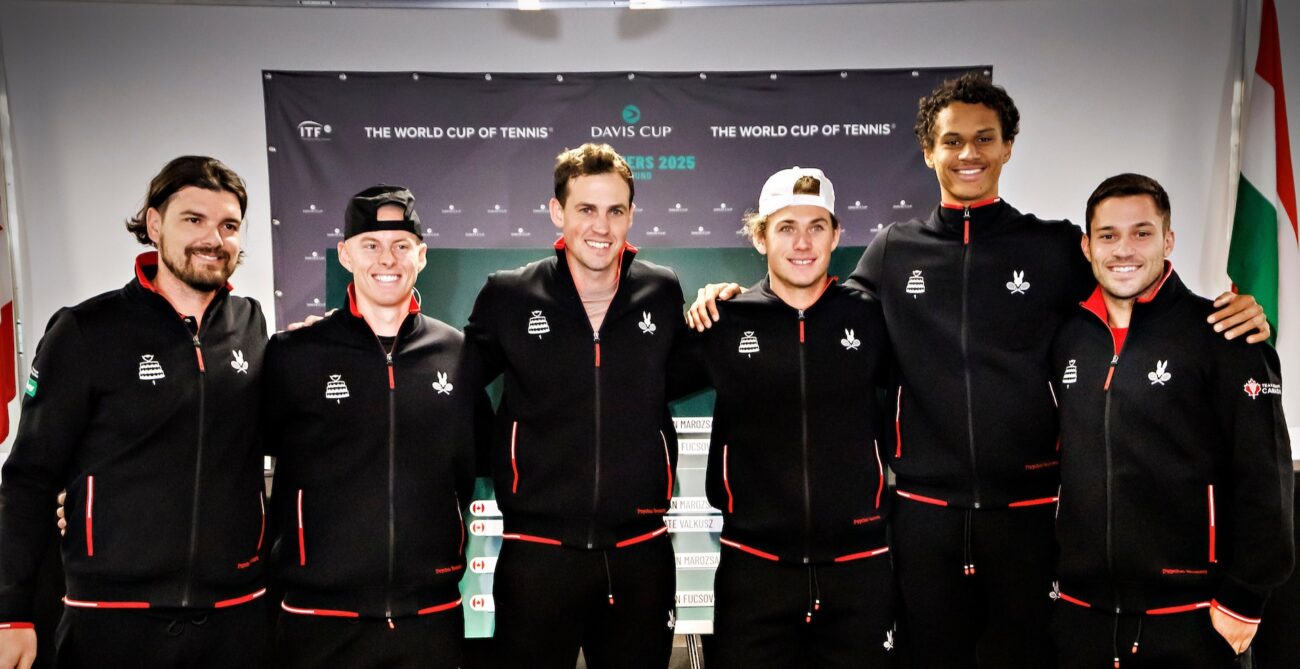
1239	314
309	321
17	648
704	312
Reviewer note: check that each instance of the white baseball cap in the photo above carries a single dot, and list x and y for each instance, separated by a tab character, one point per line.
778	193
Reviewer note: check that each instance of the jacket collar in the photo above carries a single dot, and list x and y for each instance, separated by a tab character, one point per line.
562	264
949	219
146	270
1167	289
764	288
358	320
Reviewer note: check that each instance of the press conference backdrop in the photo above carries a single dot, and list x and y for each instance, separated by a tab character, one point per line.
477	150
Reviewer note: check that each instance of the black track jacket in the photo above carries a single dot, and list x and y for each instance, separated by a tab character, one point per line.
1175	461
375	456
583	449
794	463
151	426
973	297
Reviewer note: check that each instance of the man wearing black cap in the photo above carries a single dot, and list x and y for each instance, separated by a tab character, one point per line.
371	415
142	404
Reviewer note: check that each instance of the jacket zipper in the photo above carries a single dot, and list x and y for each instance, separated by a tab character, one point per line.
90	516
198	465
965	352
392	476
803	416
595	488
1110	486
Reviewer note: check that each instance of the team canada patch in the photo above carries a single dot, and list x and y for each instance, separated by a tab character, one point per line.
1254	388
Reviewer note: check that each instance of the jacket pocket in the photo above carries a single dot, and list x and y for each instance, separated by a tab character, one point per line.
90	516
880	471
898	425
726	481
1210	507
302	539
514	457
668	466
261	535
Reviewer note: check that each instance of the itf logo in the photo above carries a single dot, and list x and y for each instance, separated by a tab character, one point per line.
631	114
313	131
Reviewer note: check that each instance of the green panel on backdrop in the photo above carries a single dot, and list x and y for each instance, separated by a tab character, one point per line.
453	277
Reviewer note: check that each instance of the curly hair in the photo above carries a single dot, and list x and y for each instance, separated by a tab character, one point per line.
973	88
198	171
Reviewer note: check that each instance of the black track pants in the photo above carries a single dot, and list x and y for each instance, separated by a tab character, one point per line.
787	616
994	618
145	639
412	642
617	605
1090	639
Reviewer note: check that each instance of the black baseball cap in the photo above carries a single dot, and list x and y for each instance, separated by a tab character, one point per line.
363	209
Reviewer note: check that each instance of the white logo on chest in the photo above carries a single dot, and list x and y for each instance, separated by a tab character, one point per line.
646	325
748	344
150	370
442	385
849	342
537	324
916	284
337	389
1017	285
1071	374
239	363
1161	375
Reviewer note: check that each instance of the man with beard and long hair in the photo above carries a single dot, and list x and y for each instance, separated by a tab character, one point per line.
142	404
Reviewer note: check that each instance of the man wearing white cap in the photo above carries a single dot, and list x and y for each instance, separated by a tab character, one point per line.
804	577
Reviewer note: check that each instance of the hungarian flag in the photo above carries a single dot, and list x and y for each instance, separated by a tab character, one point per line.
1264	258
8	352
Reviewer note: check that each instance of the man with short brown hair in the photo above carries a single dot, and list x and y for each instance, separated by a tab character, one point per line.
583	450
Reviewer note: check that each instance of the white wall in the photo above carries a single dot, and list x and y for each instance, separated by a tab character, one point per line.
103	95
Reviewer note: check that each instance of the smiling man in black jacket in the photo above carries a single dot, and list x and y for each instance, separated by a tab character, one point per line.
1176	490
371	412
142	404
583	450
794	463
972	296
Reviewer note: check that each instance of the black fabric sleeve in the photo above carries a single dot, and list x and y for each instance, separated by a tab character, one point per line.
58	406
866	276
1249	392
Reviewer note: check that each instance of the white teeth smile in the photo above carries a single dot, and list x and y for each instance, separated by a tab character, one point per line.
598	245
1124	270
970	171
386	278
801	262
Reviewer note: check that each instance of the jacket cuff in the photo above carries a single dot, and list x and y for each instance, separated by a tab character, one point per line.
1242	603
16	626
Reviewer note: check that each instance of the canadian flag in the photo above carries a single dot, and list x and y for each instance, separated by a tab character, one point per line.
8	329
